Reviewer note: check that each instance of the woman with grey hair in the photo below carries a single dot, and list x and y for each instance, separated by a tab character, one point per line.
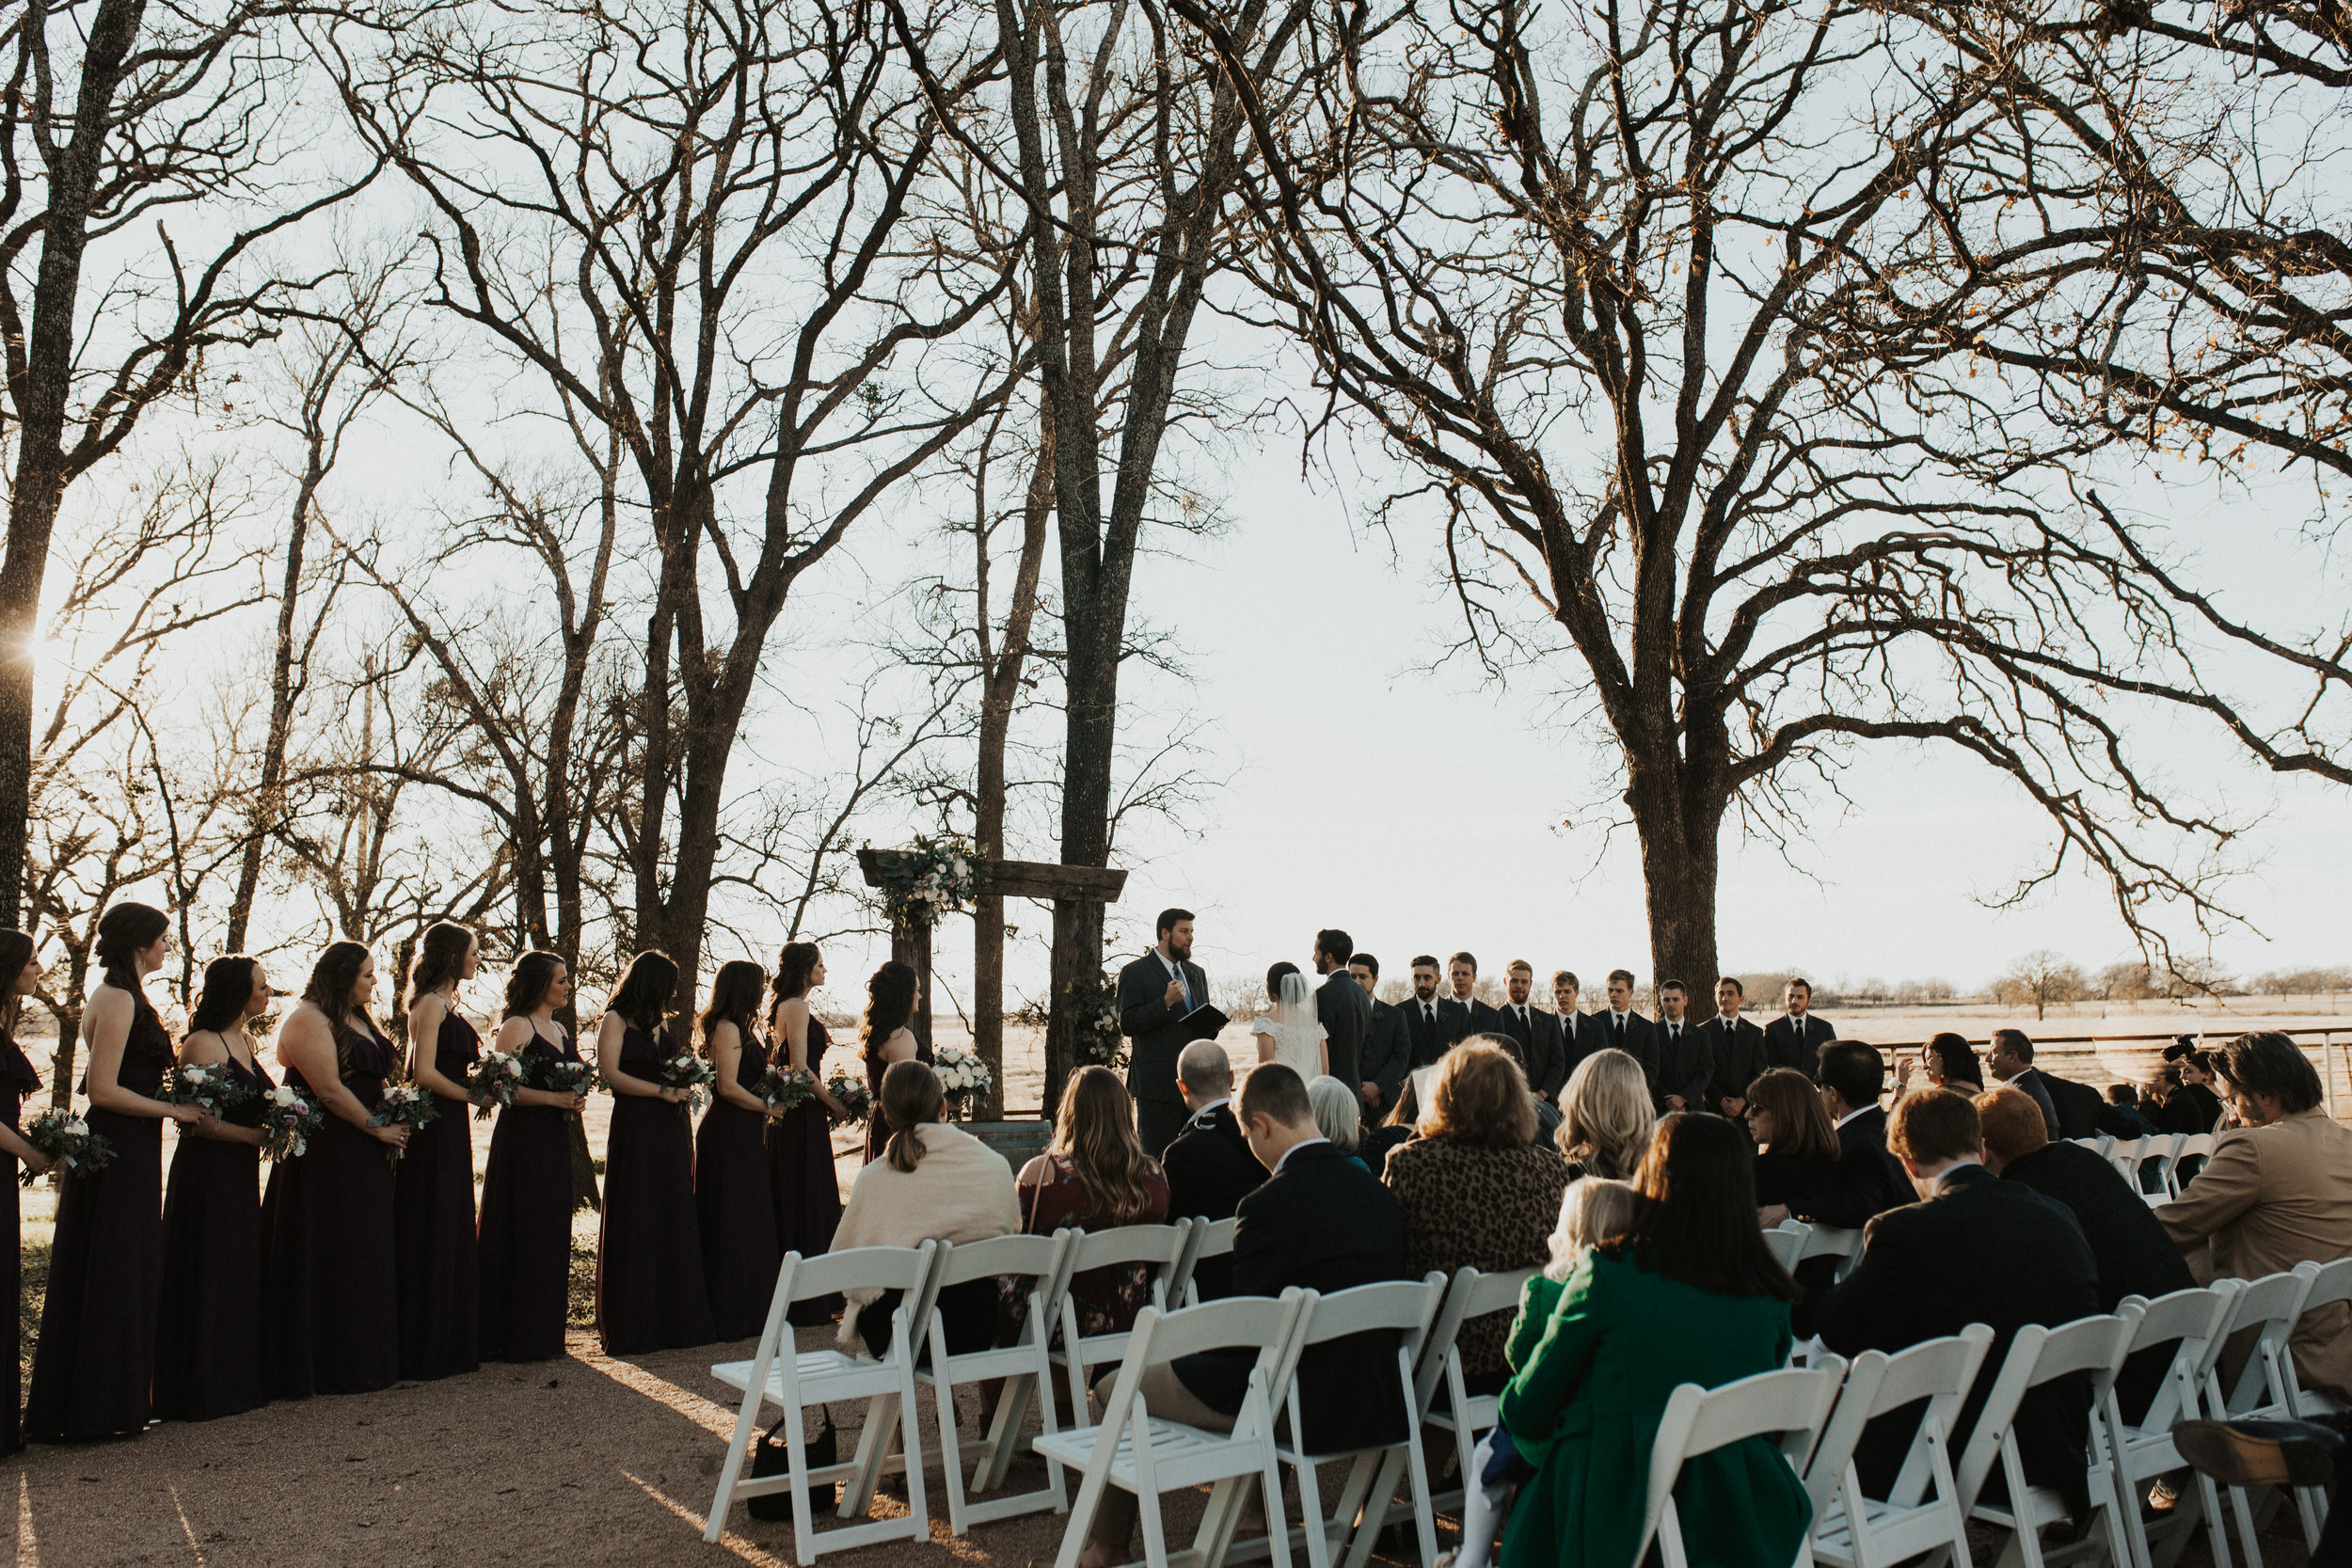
1338	1114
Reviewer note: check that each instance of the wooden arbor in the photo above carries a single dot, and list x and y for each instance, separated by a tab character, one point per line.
1083	885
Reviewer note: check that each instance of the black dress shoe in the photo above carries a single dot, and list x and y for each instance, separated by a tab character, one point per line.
2260	1453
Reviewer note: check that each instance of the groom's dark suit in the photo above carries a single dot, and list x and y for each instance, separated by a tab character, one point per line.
1387	1054
1345	1013
1146	1018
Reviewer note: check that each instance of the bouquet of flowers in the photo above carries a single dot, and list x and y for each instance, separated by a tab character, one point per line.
69	1144
965	1078
494	1081
563	1077
288	1123
405	1105
852	1095
211	1088
784	1087
690	1073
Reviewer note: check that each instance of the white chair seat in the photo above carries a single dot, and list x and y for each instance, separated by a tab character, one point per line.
824	1374
1175	1448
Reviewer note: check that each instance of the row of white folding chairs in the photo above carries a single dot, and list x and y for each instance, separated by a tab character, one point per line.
2128	1154
1044	1265
1794	1242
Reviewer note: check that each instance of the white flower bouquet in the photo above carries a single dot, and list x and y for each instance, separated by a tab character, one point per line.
494	1081
688	1071
211	1087
965	1078
404	1105
784	1087
70	1145
289	1122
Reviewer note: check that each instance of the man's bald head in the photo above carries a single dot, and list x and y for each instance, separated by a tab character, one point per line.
1204	1072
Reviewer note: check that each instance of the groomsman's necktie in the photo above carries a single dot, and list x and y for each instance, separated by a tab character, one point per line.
1429	1016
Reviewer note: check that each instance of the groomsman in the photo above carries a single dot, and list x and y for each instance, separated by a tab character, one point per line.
1341	1006
1795	1038
1582	1032
1388	1045
1683	1063
1627	1030
1543	1049
1479	1018
1154	993
1737	1046
1428	1017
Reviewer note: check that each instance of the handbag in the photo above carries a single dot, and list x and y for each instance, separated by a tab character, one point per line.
770	1456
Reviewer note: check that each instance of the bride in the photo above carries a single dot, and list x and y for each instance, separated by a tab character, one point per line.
1289	1032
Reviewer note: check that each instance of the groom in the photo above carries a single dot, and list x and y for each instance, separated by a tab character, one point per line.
1341	1006
1154	993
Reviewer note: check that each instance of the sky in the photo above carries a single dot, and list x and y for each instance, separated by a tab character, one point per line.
1420	811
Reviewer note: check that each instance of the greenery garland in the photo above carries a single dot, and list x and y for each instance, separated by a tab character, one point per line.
924	883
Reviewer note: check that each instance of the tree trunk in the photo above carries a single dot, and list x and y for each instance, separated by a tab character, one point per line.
1077	956
268	807
40	404
1680	862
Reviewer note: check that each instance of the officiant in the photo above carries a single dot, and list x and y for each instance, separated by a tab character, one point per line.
1155	994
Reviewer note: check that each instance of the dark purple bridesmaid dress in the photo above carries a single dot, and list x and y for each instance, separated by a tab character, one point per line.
433	1225
650	1293
329	1300
207	1343
737	1209
876	1133
526	1252
17	1080
97	1352
806	1193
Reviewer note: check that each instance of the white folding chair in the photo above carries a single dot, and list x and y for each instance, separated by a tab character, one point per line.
2194	1146
1160	1247
2093	1347
2160	1152
2124	1155
1787	1240
1147	1454
1789	1405
1466	1415
1022	1365
2266	1389
1832	1241
2192	1321
796	1380
1406	1309
1923	1512
1209	1239
2330	1283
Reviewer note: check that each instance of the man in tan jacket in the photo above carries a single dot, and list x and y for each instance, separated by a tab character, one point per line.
2277	1192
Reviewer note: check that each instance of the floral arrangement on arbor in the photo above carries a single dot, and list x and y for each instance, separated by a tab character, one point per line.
964	1077
930	879
1094	1020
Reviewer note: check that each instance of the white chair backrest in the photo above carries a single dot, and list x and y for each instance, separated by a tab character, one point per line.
1262	1324
2195	1143
865	1268
1787	1240
1830	1240
1406	1305
1469	1295
2124	1155
1161	1244
1789	1405
2196	1320
1216	1237
1025	1257
2274	1298
2331	1282
2036	1355
1938	1371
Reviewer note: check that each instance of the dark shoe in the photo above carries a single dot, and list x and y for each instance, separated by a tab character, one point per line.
2260	1453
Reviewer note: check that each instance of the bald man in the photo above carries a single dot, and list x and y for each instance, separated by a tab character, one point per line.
1210	1167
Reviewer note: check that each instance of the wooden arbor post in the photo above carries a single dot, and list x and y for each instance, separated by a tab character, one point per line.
1081	885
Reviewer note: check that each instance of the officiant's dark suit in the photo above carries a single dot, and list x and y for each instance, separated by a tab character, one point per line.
1543	1047
1210	1170
1786	1047
1325	1223
1146	1019
1345	1013
1738	1048
1387	1052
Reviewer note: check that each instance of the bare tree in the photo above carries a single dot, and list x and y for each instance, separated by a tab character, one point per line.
687	223
2040	979
1617	290
113	113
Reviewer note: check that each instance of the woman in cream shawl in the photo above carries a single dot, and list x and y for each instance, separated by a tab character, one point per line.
933	1182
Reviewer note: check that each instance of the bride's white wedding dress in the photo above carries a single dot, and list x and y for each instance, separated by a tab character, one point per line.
1291	1024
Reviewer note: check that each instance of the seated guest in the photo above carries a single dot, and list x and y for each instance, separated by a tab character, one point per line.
2200	1093
1949	1062
2124	1104
1339	1114
1475	1191
2010	1059
1606	1116
1973	1250
1690	1293
933	1183
1870	1180
1209	1168
1095	1176
2277	1192
1798	1149
2081	1109
1322	1223
1395	1130
2134	1256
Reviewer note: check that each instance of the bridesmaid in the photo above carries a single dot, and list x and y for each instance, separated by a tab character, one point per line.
433	1219
20	977
97	1351
329	1315
650	1293
526	1255
800	1142
887	1038
207	1342
732	1201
